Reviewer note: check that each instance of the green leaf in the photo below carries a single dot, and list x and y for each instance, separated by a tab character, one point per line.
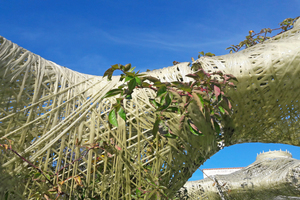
131	70
112	117
217	127
141	74
112	93
36	175
220	97
162	90
138	192
119	99
159	84
116	66
202	74
127	67
122	77
183	86
145	84
194	76
128	78
174	110
152	101
177	84
6	195
156	126
210	54
201	100
121	86
48	177
167	102
194	129
151	79
132	84
169	135
108	73
122	113
130	74
202	53
222	110
231	77
121	67
138	80
227	102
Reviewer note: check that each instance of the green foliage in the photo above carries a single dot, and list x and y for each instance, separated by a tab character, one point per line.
131	81
255	38
208	54
175	97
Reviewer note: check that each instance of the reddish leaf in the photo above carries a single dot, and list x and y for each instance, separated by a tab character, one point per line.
118	148
109	154
194	129
217	91
228	102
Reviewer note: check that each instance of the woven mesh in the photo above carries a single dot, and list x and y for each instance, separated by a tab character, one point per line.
50	111
47	110
266	102
272	175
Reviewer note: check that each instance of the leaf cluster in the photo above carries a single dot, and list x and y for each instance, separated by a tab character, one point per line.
174	98
256	38
131	81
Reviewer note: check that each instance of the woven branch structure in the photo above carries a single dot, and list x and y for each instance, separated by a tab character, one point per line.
274	174
54	115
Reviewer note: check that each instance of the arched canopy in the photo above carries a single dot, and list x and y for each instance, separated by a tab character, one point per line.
53	115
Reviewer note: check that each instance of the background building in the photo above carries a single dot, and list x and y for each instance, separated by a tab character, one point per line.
220	171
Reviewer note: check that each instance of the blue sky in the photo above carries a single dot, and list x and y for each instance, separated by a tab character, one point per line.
89	36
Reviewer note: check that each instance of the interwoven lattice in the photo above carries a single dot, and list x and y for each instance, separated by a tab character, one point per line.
272	175
51	112
266	102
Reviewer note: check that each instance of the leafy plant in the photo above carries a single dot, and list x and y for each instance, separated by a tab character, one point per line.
255	38
205	90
